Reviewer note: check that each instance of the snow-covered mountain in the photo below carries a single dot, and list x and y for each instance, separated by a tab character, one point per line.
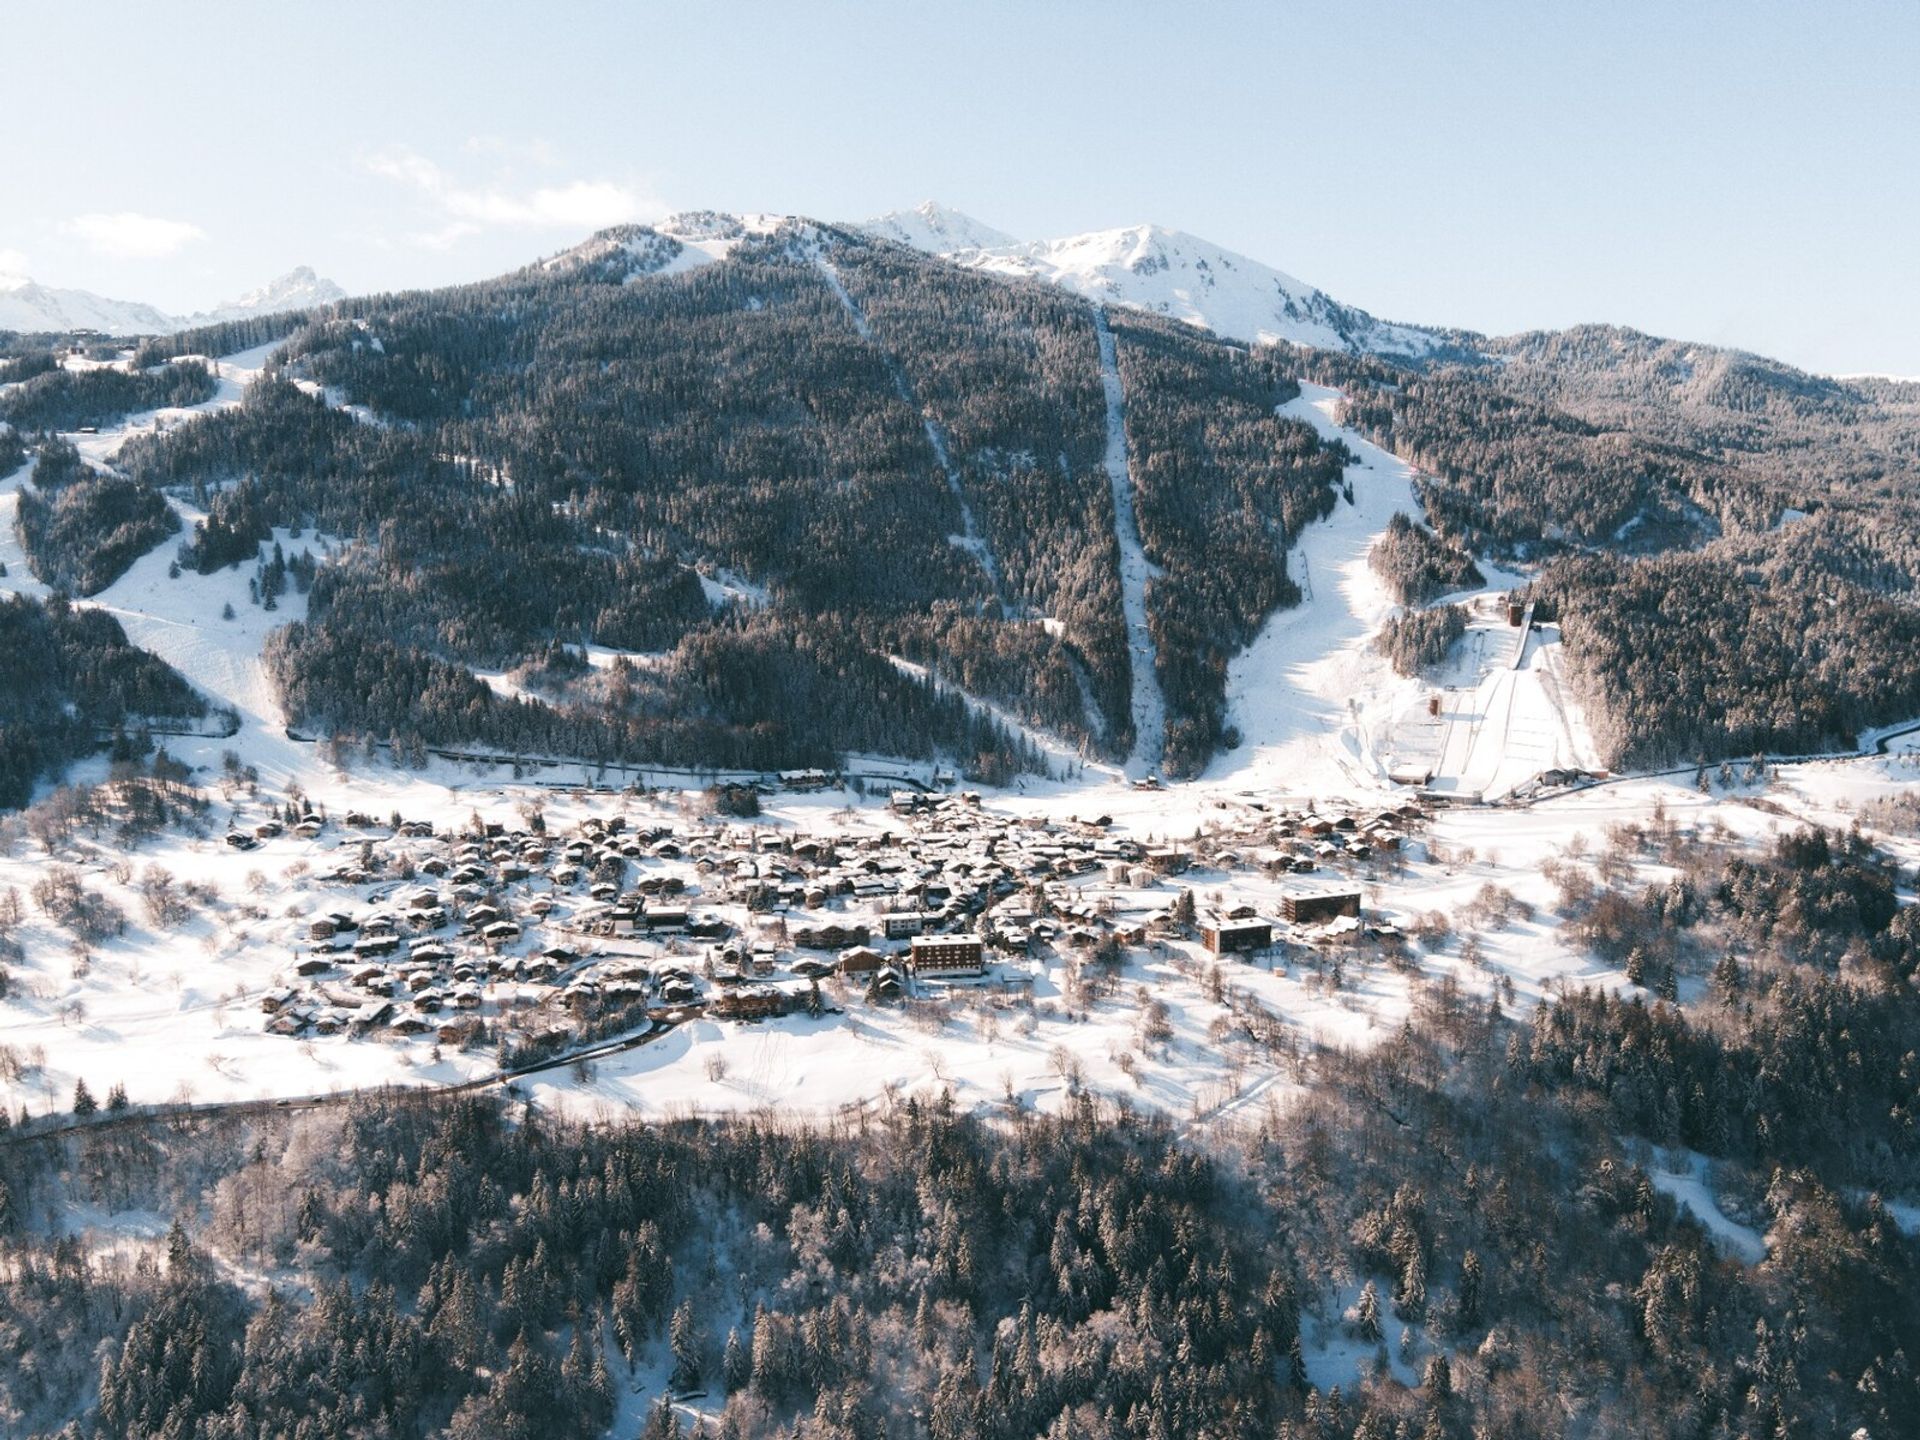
1149	267
680	242
932	227
298	289
28	306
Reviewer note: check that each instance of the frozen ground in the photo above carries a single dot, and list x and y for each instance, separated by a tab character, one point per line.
172	1011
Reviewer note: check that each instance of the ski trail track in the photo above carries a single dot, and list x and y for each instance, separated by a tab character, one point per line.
1149	705
970	539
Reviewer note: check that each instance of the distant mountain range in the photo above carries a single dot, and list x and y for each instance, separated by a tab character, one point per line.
30	307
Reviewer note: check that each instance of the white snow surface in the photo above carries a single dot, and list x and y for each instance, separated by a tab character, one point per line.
1150	267
938	230
1686	1176
1316	704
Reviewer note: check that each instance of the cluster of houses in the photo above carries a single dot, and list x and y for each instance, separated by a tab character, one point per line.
504	935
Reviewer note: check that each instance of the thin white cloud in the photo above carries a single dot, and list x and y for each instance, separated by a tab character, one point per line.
467	209
129	235
12	262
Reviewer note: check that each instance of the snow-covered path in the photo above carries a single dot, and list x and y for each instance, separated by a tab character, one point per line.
19	578
232	375
970	539
1064	757
1149	705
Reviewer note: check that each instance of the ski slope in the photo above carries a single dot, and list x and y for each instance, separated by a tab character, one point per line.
1301	692
1319	708
1149	704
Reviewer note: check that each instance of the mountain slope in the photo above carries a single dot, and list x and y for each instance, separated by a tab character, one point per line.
932	227
1168	272
849	427
30	307
298	289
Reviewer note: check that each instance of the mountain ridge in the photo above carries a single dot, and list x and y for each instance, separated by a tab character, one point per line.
29	307
1168	272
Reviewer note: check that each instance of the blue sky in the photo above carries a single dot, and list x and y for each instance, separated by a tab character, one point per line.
1743	174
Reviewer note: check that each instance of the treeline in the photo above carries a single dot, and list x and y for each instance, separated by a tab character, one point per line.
1418	565
82	528
1416	639
1507	473
751	693
226	337
1688	656
1442	1236
1224	487
68	399
66	676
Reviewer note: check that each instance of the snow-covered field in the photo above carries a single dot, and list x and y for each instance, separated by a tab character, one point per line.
171	1010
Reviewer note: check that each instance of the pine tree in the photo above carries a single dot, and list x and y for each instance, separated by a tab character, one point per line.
736	1366
1366	1313
683	1336
1472	1282
83	1101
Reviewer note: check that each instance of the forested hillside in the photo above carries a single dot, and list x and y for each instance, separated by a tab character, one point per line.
904	458
1733	545
83	527
57	399
67	675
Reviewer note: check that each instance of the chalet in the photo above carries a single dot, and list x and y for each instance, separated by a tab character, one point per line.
276	1000
859	960
313	965
678	991
1168	860
1316	909
755	1003
1227	936
943	956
